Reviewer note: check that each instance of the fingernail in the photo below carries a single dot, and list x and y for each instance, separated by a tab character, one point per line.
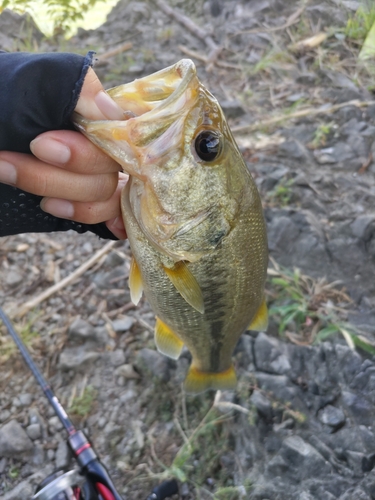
108	107
8	173
59	208
50	150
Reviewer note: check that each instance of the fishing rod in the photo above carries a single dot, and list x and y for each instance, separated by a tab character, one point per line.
92	480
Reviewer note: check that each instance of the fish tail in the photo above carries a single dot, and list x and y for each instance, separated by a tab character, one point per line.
198	381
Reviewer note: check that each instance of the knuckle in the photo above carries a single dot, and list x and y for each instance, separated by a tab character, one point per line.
105	186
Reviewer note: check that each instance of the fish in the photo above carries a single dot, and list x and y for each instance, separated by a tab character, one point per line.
193	217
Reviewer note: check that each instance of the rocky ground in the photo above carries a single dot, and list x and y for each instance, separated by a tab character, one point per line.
300	424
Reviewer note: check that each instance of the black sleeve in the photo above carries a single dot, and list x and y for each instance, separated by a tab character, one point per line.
38	92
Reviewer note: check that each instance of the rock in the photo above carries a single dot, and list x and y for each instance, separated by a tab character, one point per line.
127	371
75	358
34	431
279	385
355	493
81	330
283	233
301	459
262	404
123	324
364	227
232	109
38	456
14	440
269	356
361	410
4	415
63	455
294	149
25	399
13	278
117	357
356	461
26	489
152	363
332	416
54	424
22	491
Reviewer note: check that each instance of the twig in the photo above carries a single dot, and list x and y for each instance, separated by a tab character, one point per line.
122	309
259	124
194	29
366	164
113	52
226	404
66	281
292	19
201	57
180	430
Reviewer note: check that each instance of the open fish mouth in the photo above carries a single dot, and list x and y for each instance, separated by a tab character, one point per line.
155	108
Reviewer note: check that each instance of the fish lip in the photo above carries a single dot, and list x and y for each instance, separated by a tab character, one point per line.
187	71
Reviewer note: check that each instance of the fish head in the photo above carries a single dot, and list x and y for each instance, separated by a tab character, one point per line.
186	173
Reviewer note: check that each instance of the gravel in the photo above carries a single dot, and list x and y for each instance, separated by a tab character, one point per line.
306	428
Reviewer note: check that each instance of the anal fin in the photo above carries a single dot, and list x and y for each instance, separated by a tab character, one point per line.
260	320
198	381
186	285
167	342
135	282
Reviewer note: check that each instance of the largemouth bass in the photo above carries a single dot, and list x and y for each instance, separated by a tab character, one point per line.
193	217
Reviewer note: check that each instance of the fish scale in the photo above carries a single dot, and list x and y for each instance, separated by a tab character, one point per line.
193	217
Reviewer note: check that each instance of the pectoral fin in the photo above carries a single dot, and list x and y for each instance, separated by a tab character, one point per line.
260	320
135	282
197	381
186	285
167	342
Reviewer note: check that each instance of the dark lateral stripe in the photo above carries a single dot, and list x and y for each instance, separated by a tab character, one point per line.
215	356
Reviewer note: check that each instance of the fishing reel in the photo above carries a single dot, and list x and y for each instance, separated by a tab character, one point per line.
62	486
72	485
91	481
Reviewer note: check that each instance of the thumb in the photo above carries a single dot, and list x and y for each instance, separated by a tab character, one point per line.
94	103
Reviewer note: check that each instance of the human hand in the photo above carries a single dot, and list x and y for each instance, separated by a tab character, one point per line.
77	181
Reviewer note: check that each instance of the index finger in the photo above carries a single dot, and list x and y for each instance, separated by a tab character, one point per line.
72	151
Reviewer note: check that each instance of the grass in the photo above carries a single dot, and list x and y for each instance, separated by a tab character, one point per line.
321	135
82	405
358	25
28	335
273	59
309	310
281	194
203	432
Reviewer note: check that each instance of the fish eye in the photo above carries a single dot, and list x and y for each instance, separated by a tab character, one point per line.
208	145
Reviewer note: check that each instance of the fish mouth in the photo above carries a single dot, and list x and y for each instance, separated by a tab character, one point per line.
155	108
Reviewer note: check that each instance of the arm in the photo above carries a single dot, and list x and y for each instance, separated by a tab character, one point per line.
39	93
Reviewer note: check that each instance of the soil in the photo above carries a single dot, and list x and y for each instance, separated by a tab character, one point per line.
300	424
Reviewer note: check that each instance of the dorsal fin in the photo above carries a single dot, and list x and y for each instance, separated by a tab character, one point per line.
167	342
135	282
186	284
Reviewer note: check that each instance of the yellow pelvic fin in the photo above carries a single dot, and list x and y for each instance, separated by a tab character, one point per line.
197	381
260	320
167	342
135	282
186	285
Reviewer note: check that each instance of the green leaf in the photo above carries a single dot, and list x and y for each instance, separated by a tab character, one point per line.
326	332
363	345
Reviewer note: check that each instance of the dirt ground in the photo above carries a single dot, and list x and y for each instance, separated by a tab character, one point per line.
302	109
